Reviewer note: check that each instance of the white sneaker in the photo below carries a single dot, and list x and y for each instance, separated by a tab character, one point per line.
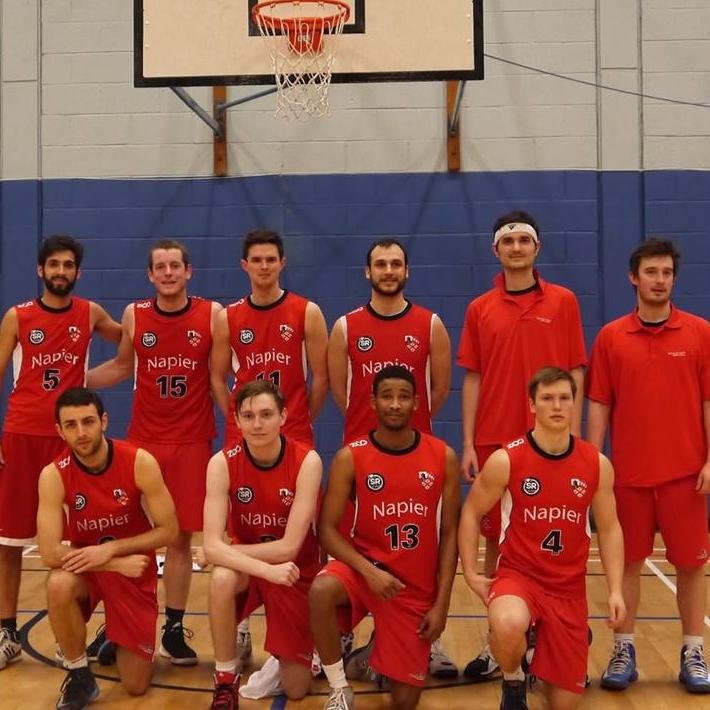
341	699
440	665
264	682
243	651
483	667
10	650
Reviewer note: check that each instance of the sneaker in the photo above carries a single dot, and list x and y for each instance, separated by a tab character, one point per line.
346	643
173	646
78	690
243	650
357	664
101	650
10	647
341	699
440	665
225	695
621	670
265	682
483	667
694	670
531	638
514	695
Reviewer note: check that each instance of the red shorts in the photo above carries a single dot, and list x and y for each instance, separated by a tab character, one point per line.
184	468
288	633
131	607
676	510
25	457
562	642
398	652
490	522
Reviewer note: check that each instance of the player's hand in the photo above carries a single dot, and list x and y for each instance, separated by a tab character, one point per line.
432	624
201	558
132	566
617	610
286	574
2	457
469	463
703	484
480	585
84	559
383	584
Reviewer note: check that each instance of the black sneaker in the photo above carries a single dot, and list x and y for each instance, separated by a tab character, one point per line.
101	650
514	695
173	645
78	690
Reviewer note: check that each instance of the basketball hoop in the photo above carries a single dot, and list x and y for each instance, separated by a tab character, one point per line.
301	56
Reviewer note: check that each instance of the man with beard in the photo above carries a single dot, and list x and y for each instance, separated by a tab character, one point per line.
48	341
649	384
399	563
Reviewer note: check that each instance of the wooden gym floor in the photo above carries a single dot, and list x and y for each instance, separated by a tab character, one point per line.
33	683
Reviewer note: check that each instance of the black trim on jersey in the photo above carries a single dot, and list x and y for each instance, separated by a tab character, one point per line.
523	291
394	316
547	454
49	309
172	314
268	306
269	467
103	469
656	324
395	452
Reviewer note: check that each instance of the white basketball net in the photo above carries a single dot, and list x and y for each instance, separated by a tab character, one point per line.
301	37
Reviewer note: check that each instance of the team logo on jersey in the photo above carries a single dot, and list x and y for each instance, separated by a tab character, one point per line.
246	336
36	336
144	304
79	501
365	343
412	343
64	462
286	496
286	332
426	479
74	333
149	339
530	486
579	487
193	337
120	496
244	494
231	453
375	481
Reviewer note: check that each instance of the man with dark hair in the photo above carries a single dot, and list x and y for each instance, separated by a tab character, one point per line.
262	492
548	481
400	560
649	386
102	484
522	324
48	341
166	345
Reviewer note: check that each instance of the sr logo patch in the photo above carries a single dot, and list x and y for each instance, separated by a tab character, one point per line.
244	494
36	336
79	501
246	336
531	486
375	481
149	339
365	343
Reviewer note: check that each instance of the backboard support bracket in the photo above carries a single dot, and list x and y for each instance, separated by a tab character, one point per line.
454	97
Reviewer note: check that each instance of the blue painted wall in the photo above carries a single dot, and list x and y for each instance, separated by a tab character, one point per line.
589	221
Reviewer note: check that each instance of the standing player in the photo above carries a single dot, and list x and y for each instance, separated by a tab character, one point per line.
102	484
547	481
166	344
400	562
649	382
48	341
264	488
522	324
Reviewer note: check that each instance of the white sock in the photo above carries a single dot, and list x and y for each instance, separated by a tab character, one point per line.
226	666
243	627
517	674
628	638
691	641
335	673
81	662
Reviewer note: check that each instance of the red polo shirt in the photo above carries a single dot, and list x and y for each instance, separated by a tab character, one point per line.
655	381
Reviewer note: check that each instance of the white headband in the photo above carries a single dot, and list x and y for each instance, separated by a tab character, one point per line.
515	227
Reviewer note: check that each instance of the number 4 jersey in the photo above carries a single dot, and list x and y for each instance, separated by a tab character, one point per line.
545	530
50	357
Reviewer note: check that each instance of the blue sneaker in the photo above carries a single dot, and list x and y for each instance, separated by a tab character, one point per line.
621	670
694	670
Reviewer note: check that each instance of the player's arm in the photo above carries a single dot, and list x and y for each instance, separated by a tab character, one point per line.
440	364
8	342
611	540
338	365
578	377
103	324
703	484
488	488
50	517
119	367
434	620
470	391
597	423
220	362
316	340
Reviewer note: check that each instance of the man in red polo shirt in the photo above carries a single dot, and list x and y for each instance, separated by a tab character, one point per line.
649	383
521	325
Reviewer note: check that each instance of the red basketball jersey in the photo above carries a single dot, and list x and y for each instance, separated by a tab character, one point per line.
50	357
375	341
398	496
260	499
545	529
268	342
172	401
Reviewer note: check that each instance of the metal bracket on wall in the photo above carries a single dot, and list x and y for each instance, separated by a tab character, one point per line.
454	97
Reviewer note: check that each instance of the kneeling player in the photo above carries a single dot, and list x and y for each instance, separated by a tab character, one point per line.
264	491
102	483
400	562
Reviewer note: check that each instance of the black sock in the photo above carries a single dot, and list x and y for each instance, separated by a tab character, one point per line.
173	616
11	625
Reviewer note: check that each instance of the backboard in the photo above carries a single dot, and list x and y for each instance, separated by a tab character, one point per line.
215	42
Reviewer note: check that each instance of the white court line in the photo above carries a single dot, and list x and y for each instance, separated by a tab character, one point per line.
668	583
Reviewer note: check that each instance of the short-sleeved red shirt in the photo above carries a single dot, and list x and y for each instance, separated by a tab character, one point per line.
655	381
507	339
